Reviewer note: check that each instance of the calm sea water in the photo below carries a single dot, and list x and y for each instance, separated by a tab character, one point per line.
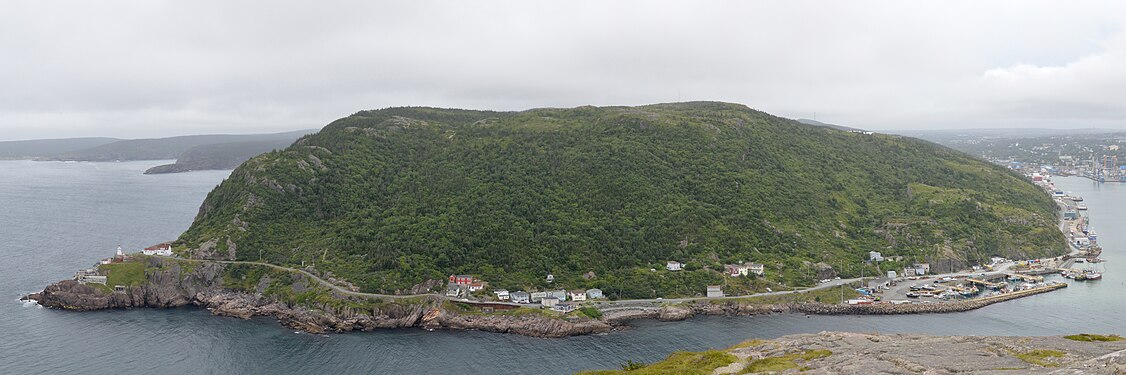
59	217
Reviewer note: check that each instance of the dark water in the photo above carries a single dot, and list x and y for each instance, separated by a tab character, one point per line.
58	217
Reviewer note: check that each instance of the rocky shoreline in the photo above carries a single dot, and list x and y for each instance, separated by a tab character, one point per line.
170	283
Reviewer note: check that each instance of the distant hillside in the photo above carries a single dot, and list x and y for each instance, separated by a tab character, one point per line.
41	148
819	123
219	156
164	148
388	199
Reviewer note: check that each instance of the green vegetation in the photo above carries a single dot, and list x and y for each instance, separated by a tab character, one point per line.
1093	337
687	363
127	273
591	312
1041	357
783	363
390	198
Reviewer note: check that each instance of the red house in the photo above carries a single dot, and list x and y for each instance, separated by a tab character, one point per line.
461	279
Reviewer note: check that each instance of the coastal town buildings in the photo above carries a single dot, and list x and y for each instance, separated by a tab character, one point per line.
549	302
536	297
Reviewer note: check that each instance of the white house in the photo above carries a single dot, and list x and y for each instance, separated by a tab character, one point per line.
164	250
577	295
757	268
715	291
564	307
673	265
550	278
520	297
593	293
537	296
502	294
561	295
549	302
453	290
736	270
476	285
875	256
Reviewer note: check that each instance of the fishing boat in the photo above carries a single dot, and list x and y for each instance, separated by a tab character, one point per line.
1082	277
1094	276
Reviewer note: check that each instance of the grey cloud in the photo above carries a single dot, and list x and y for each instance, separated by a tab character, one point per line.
159	68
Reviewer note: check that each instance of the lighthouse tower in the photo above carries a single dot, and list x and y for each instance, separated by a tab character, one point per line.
119	252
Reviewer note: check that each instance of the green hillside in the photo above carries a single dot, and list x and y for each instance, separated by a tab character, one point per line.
390	198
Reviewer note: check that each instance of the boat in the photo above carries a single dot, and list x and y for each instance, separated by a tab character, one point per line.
1076	198
1093	276
1082	277
1081	207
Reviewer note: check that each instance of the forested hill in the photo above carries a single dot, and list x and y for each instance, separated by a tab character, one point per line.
389	198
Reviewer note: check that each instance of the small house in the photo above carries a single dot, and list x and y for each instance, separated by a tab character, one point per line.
502	294
735	270
757	268
92	279
875	256
164	250
521	297
476	285
673	265
564	307
715	291
892	275
577	295
549	301
461	279
550	278
558	294
453	290
537	296
593	293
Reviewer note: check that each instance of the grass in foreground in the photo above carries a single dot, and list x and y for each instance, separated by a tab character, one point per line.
783	363
1041	357
688	363
1088	337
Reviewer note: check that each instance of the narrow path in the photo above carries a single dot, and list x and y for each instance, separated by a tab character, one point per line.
324	282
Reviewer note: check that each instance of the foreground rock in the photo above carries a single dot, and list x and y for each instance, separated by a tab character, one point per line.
856	353
175	283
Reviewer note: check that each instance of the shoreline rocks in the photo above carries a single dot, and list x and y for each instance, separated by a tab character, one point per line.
168	285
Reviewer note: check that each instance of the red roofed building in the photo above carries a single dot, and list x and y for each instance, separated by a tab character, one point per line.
164	249
461	279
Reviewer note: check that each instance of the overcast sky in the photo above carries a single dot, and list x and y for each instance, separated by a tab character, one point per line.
155	68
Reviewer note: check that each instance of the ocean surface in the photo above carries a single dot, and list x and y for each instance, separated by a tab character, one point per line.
58	217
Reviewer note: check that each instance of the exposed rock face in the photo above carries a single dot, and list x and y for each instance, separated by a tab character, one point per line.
855	353
537	326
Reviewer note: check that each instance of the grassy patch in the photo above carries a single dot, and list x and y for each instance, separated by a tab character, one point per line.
1093	337
687	363
1041	357
591	312
748	343
783	363
127	274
